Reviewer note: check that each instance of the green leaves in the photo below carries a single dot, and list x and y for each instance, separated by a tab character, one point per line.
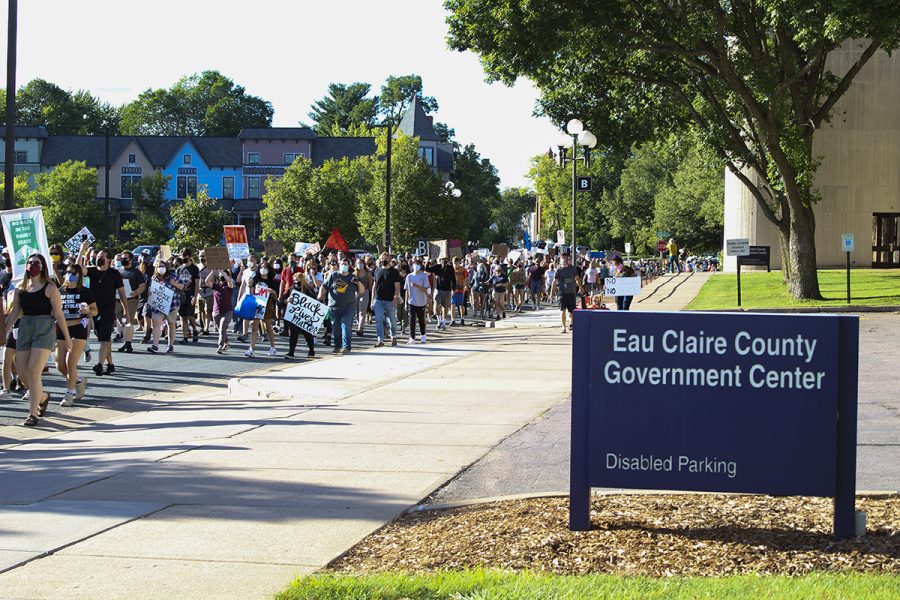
68	195
198	222
62	112
150	222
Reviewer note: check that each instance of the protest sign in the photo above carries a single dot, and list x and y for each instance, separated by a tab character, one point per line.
500	250
25	235
165	252
622	286
302	248
126	283
160	297
273	249
456	252
74	243
514	255
236	242
262	294
217	257
305	312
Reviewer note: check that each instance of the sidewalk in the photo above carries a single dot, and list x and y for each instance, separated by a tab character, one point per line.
670	292
232	497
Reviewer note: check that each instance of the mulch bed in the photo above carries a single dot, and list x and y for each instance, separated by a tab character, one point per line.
656	535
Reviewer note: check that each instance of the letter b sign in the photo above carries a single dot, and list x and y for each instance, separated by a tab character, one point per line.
583	184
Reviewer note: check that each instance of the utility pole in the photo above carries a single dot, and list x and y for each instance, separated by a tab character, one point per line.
387	192
10	167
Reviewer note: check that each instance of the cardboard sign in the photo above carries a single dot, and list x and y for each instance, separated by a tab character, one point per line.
126	283
456	252
217	258
622	286
500	250
306	313
236	242
74	243
302	248
273	249
165	252
560	236
160	297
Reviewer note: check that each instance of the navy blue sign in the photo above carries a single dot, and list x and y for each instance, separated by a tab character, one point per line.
711	402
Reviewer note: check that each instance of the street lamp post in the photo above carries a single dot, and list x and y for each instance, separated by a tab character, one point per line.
580	137
10	149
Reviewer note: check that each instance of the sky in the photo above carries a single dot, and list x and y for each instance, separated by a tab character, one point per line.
285	51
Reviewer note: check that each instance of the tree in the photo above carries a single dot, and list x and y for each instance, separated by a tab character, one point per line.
21	188
207	103
150	224
477	180
507	212
68	195
198	222
40	102
397	94
752	76
345	106
421	205
307	202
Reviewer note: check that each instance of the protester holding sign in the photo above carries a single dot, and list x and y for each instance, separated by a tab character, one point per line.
107	285
38	302
620	269
78	306
135	285
342	289
163	301
221	284
294	297
260	283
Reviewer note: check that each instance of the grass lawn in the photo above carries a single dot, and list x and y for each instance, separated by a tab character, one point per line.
478	584
868	287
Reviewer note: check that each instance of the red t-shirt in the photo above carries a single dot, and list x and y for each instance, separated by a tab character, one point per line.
287	278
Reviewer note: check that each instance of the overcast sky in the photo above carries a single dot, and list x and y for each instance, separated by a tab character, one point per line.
286	51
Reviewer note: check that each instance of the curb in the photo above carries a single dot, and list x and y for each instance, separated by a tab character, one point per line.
813	309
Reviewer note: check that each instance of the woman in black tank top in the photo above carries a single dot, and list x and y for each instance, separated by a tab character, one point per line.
38	303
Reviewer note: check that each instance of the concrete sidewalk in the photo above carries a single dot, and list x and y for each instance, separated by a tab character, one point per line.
233	496
670	292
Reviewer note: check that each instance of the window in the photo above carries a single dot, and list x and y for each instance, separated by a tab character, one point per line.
186	185
253	187
427	154
289	158
132	158
186	159
129	182
228	188
253	158
21	157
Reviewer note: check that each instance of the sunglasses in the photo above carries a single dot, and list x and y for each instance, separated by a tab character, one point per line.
33	262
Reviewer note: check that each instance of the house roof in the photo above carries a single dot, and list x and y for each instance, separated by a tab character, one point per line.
215	151
444	160
277	133
416	123
325	148
26	131
88	148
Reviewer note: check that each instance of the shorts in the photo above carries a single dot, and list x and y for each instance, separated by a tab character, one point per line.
567	302
132	310
520	287
104	323
442	297
458	299
11	340
36	332
76	332
187	308
536	287
172	317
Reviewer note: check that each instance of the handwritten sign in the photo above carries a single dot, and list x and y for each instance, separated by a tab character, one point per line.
217	257
236	242
74	243
165	252
273	249
622	286
305	312
160	297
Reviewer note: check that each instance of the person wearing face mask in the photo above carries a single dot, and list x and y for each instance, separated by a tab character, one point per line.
189	274
418	291
261	284
38	302
364	274
221	284
57	255
386	297
135	288
341	289
301	285
481	287
164	276
248	272
108	288
78	307
402	313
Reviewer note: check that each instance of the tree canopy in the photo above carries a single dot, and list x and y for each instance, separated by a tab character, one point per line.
68	195
62	112
206	103
150	222
198	222
345	106
751	75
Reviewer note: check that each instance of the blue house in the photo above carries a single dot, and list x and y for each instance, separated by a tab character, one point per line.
209	162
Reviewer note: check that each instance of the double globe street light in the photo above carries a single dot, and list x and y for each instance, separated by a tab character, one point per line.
579	137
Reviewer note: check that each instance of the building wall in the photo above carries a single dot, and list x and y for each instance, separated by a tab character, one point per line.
271	152
141	167
211	177
859	172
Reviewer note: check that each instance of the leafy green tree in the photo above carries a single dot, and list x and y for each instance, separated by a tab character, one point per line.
754	77
68	195
507	213
345	106
21	188
307	202
477	180
207	103
62	112
421	205
150	223
397	94
553	186
198	221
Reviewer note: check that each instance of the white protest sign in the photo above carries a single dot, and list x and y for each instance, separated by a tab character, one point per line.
262	300
305	312
514	255
236	242
737	247
25	235
74	243
301	247
160	297
560	236
622	286
127	284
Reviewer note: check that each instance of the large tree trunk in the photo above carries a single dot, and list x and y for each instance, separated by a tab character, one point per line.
800	259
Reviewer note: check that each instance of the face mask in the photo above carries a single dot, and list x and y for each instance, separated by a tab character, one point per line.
72	278
55	258
345	268
384	263
34	270
100	262
417	268
263	272
252	265
161	270
118	264
277	266
126	262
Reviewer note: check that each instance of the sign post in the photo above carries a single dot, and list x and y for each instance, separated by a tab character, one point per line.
847	246
713	403
738	247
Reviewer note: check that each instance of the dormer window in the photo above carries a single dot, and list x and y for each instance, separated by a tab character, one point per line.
253	158
427	154
186	159
132	158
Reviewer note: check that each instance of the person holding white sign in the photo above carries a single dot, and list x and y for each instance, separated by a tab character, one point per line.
621	270
78	306
301	286
164	304
38	302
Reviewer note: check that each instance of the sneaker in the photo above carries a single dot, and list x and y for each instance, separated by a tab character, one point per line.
287	356
4	394
126	348
196	337
110	369
273	351
345	350
411	341
242	339
119	338
185	341
393	342
98	369
68	399
378	344
422	340
87	355
336	350
249	353
80	387
170	349
462	321
326	340
311	354
153	348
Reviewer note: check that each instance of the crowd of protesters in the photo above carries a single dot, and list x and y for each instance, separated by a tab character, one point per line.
57	305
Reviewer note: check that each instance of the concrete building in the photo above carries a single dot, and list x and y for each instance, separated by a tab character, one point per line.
859	175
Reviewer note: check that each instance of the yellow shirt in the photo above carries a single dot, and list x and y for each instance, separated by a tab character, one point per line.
673	249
